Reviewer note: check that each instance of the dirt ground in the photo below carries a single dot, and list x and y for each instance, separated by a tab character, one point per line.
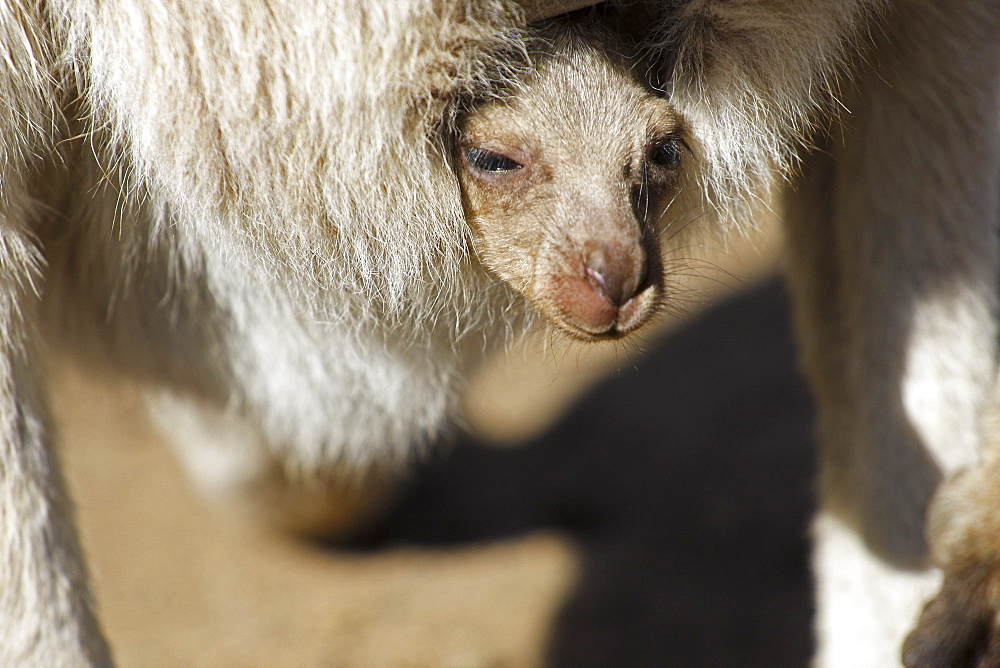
645	505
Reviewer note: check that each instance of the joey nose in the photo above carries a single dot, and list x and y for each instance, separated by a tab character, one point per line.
610	292
615	272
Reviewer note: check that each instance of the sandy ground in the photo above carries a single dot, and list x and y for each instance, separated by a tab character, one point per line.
619	506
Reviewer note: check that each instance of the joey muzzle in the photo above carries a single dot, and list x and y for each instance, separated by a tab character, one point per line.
607	290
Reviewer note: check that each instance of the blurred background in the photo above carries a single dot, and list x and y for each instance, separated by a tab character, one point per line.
638	503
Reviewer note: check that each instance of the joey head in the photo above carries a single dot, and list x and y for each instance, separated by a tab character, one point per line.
564	183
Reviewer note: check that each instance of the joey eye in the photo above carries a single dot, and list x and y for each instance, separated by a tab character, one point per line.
488	161
667	154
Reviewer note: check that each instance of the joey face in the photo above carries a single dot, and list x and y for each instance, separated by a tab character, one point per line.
564	185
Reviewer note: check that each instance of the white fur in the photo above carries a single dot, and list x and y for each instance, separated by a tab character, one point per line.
894	268
248	206
243	204
750	76
865	607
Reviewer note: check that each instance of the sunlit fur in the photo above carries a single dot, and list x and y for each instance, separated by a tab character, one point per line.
894	267
247	207
250	208
749	76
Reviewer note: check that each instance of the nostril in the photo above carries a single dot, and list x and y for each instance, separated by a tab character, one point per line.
597	282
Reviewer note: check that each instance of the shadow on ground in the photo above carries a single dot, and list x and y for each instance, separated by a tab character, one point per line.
686	482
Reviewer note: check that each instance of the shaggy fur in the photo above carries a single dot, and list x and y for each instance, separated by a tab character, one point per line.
252	208
247	207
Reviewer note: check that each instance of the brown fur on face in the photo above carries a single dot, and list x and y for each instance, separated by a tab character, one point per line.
564	184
